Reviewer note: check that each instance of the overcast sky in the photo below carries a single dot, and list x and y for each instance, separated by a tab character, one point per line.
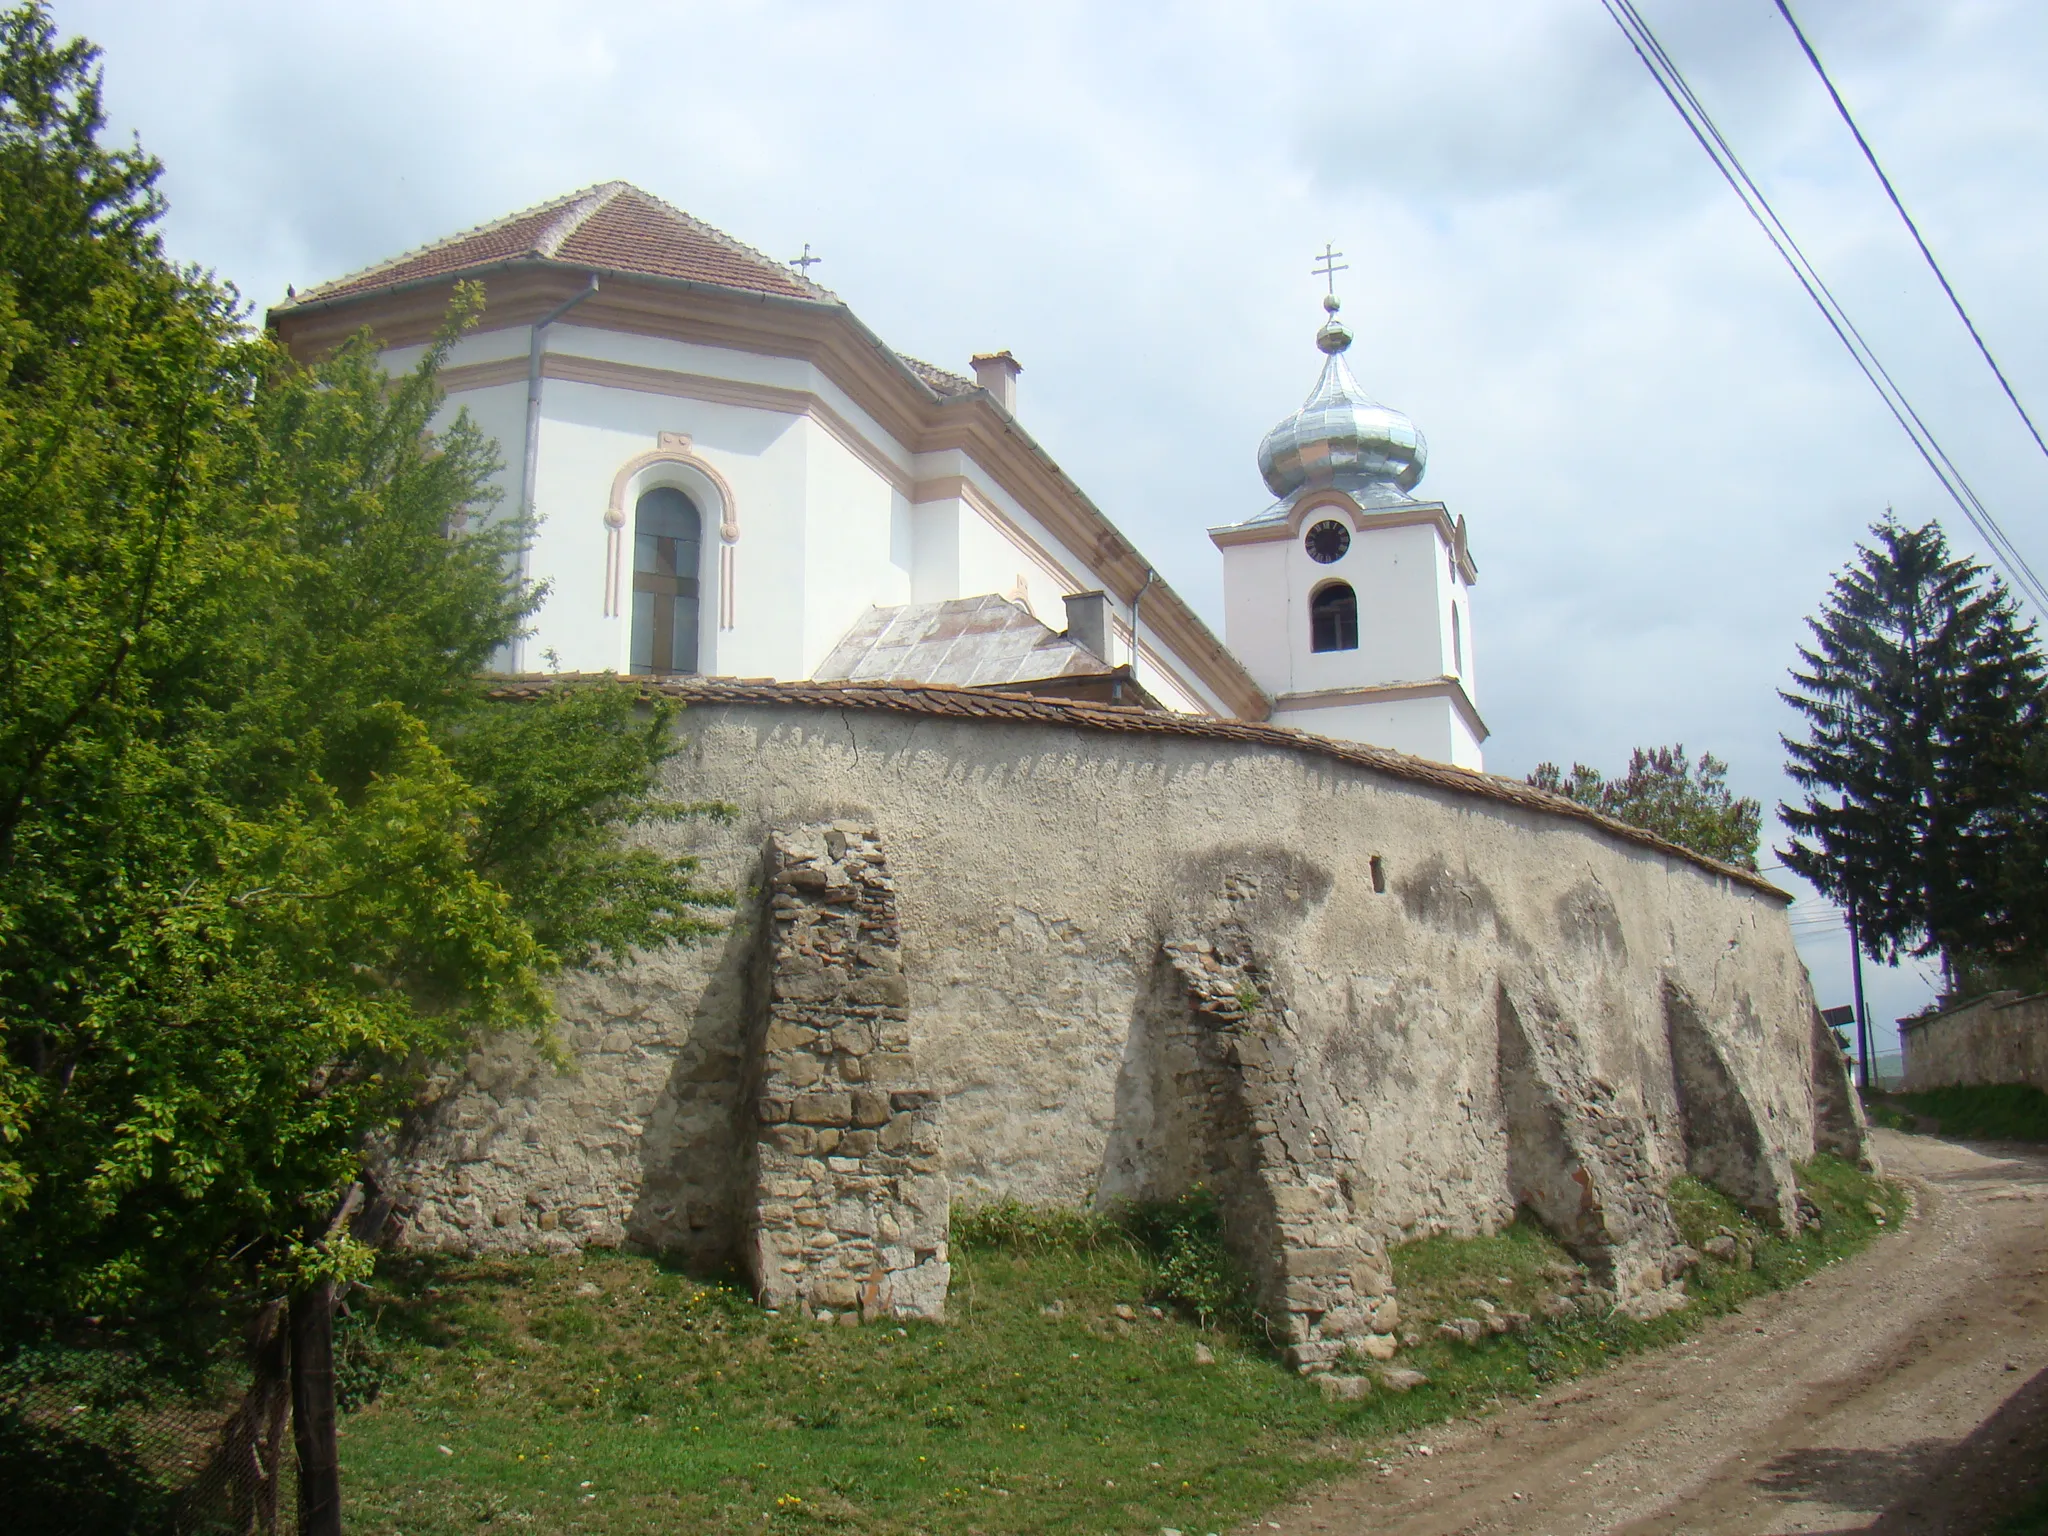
1662	453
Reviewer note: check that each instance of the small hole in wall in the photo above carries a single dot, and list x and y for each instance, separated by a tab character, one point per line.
1379	876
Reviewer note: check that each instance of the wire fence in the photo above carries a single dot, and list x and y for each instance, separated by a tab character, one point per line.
101	1442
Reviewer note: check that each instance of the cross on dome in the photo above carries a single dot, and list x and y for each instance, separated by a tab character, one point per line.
1341	436
1327	266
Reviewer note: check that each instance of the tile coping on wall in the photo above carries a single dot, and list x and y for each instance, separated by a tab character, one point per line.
949	701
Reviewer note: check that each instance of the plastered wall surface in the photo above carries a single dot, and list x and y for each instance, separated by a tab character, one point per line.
1443	958
2002	1038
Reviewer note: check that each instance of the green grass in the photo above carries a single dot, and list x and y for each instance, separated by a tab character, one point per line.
1992	1112
608	1394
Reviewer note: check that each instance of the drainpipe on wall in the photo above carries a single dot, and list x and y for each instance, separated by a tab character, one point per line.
531	463
1137	603
1866	1037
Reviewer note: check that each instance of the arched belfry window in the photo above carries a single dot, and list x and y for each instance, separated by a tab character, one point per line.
668	534
1333	618
1457	642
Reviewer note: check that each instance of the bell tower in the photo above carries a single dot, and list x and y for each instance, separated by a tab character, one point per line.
1348	599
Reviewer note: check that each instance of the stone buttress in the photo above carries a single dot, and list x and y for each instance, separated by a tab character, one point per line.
1285	1192
1578	1159
850	1200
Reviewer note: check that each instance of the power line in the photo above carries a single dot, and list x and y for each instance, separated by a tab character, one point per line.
1891	192
1671	80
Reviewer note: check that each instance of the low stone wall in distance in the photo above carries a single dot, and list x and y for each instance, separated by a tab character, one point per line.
2002	1038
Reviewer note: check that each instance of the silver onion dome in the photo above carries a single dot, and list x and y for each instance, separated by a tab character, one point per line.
1341	437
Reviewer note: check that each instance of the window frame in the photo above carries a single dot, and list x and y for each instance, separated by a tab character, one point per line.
1320	604
656	586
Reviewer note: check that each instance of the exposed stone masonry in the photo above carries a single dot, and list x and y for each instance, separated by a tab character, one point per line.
850	1198
1287	1195
1577	1158
1723	1142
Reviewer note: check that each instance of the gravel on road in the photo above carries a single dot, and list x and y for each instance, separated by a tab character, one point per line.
1903	1391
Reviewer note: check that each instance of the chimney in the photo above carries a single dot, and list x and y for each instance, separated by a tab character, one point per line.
1088	623
997	373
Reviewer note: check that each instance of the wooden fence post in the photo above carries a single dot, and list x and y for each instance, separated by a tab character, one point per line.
312	1330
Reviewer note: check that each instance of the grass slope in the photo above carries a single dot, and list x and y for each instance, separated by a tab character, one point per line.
1991	1112
611	1395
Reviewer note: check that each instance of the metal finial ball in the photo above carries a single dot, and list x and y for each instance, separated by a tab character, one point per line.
1334	337
1332	303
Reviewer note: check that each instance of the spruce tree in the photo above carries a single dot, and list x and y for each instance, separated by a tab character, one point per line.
1922	694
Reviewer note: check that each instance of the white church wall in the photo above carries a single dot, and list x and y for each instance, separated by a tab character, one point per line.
1467	749
1424	727
935	550
1404	594
588	434
1402	634
855	555
1457	636
997	539
474	347
991	560
1255	584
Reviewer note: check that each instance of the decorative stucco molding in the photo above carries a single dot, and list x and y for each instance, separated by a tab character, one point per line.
1431	514
670	448
1450	688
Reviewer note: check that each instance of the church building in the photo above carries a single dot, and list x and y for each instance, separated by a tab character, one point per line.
732	476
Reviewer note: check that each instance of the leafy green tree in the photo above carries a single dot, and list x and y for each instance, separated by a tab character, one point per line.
267	844
1665	792
1923	756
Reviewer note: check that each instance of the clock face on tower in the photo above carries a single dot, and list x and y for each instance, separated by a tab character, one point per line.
1327	541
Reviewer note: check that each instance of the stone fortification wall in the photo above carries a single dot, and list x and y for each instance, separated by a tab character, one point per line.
847	1208
1427	997
2002	1038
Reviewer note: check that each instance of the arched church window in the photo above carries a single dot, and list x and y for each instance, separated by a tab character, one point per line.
1333	619
1457	643
667	537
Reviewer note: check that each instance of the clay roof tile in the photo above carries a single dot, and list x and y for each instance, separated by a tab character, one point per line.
614	226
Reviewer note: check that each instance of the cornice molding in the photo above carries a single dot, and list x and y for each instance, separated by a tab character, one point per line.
1432	514
1450	688
675	448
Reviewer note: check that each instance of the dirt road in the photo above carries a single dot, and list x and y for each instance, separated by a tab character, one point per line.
1903	1391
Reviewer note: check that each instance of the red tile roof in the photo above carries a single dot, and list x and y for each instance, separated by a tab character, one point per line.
993	704
614	226
941	381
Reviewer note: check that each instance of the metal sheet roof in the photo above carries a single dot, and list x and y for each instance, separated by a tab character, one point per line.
970	642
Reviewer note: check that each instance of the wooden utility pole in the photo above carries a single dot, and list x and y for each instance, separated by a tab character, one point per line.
1863	1033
